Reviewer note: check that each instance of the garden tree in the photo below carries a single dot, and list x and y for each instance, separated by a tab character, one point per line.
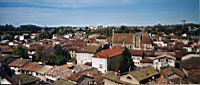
59	50
44	35
126	63
21	52
47	53
38	53
5	71
54	55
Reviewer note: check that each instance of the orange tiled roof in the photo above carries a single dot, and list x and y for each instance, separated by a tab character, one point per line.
31	66
109	52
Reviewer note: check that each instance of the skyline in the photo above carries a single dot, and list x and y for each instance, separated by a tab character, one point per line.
98	12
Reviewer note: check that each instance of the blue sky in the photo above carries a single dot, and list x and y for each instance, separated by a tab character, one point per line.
98	12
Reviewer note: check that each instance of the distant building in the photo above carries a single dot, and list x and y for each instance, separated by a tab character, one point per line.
133	41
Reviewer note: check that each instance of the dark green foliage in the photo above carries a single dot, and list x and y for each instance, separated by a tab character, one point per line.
52	55
126	63
38	54
5	71
21	52
44	35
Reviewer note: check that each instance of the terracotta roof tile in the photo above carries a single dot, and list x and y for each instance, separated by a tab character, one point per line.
137	52
109	52
19	62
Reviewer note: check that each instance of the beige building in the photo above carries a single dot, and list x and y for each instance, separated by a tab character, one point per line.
139	41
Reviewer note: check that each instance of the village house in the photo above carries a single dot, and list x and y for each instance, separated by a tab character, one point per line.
137	56
133	41
31	51
57	72
172	73
85	54
21	79
6	49
107	60
64	71
40	72
17	65
142	76
164	60
28	68
87	77
146	62
160	43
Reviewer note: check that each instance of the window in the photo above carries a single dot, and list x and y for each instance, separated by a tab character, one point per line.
156	63
100	65
129	78
130	47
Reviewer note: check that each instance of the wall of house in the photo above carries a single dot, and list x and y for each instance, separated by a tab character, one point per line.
147	46
41	76
100	64
49	77
16	69
162	62
72	54
82	58
129	79
136	60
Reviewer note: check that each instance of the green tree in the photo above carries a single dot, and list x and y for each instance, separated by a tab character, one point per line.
54	55
126	63
21	52
38	53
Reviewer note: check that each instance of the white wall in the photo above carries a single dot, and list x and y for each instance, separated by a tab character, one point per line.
16	70
82	58
96	62
158	64
190	56
136	60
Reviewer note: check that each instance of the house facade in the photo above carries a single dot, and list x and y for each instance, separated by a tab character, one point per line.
108	59
164	60
17	65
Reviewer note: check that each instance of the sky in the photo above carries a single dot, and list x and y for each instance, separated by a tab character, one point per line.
98	12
